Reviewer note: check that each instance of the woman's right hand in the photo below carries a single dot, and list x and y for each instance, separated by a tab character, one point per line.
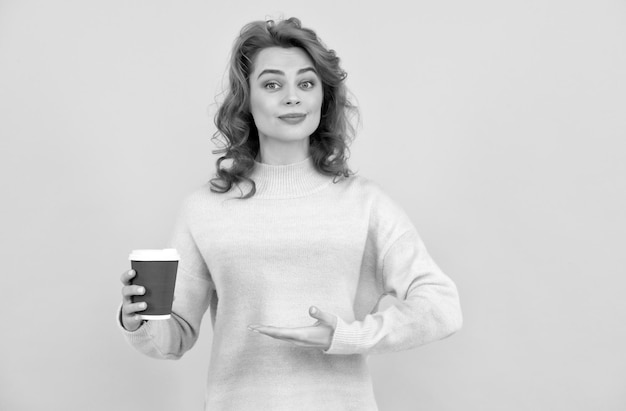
130	319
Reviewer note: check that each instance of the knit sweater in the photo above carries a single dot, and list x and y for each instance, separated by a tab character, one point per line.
303	239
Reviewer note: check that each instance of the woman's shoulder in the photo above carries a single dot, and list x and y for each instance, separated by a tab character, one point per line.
202	197
200	192
364	185
372	195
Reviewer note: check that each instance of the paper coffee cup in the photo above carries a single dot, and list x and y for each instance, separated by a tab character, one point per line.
156	272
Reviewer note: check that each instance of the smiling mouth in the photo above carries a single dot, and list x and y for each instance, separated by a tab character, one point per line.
292	115
293	118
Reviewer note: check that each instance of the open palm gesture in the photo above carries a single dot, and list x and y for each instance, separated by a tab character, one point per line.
318	335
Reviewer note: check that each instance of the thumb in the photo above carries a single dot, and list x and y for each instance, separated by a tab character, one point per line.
322	316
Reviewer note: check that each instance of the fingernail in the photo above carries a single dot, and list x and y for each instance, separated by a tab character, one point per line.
142	290
313	310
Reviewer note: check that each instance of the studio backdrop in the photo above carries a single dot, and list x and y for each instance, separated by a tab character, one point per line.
499	127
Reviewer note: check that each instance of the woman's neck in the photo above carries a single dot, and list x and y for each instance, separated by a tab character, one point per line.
283	153
288	181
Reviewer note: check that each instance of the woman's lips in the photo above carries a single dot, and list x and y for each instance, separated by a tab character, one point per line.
293	118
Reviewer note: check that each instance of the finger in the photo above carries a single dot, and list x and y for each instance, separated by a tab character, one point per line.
127	276
130	309
300	334
288	330
131	322
276	332
279	337
322	316
310	340
132	290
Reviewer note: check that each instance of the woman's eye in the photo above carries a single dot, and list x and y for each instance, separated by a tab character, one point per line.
307	84
272	85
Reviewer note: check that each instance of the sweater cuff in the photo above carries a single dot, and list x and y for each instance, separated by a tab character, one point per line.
140	334
348	338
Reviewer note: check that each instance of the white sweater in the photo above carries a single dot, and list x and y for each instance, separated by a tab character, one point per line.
302	240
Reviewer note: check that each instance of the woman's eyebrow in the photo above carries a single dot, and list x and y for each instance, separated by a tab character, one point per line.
282	73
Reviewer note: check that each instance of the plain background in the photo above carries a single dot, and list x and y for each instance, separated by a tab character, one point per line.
499	126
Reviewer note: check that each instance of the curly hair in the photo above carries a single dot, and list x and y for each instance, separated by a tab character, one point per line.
235	124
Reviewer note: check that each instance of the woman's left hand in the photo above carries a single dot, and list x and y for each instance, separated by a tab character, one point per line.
318	335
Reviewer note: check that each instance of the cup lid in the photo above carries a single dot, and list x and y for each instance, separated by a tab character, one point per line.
166	254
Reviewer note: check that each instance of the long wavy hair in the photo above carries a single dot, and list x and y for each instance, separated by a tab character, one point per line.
236	131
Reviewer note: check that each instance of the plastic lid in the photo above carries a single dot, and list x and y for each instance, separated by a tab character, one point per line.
166	254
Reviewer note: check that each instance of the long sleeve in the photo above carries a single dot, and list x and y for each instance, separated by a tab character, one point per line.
194	292
428	307
305	238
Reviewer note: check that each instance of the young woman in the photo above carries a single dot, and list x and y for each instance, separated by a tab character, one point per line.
291	251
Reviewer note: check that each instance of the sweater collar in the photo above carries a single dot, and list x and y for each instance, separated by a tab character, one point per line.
288	181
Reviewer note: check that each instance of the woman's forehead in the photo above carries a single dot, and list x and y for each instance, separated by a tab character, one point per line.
283	59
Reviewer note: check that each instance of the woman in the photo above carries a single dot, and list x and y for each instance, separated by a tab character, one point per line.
287	234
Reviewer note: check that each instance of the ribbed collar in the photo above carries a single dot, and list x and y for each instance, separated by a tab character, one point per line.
288	181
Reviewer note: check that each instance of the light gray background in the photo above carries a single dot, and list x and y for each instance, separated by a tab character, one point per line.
498	126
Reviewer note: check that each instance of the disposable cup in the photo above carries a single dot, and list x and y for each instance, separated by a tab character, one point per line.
156	272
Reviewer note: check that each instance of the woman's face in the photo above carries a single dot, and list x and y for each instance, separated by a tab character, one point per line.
285	94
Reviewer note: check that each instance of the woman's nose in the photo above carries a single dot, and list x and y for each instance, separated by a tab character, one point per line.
292	98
